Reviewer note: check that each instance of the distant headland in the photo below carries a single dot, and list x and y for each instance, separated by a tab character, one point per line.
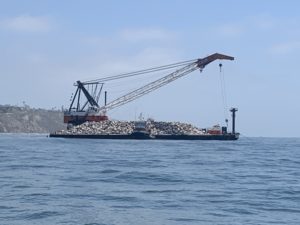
24	119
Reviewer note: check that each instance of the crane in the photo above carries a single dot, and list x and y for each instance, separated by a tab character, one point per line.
96	113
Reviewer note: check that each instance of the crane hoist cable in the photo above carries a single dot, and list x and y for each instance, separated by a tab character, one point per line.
141	72
223	92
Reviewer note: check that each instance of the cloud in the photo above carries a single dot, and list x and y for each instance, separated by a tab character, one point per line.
146	34
264	22
86	57
231	30
26	23
144	57
285	48
255	23
130	40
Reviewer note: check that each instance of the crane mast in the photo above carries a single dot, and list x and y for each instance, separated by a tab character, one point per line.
197	64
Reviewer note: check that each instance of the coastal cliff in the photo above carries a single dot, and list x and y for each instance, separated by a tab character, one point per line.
16	119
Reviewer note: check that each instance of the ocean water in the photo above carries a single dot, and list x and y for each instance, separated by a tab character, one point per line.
96	182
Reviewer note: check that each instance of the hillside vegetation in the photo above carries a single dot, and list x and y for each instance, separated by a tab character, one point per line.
15	119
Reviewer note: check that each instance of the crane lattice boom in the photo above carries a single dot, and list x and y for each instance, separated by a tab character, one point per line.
197	64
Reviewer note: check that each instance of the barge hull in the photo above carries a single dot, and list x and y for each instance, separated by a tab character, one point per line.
221	137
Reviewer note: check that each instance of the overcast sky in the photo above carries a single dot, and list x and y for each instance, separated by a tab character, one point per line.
47	45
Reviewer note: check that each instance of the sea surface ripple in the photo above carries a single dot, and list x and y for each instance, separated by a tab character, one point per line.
104	182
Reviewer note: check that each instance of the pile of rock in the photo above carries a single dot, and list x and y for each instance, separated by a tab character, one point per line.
172	128
104	127
127	127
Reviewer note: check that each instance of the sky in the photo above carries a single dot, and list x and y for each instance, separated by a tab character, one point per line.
48	45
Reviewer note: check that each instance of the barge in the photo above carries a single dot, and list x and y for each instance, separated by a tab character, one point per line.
142	132
84	107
